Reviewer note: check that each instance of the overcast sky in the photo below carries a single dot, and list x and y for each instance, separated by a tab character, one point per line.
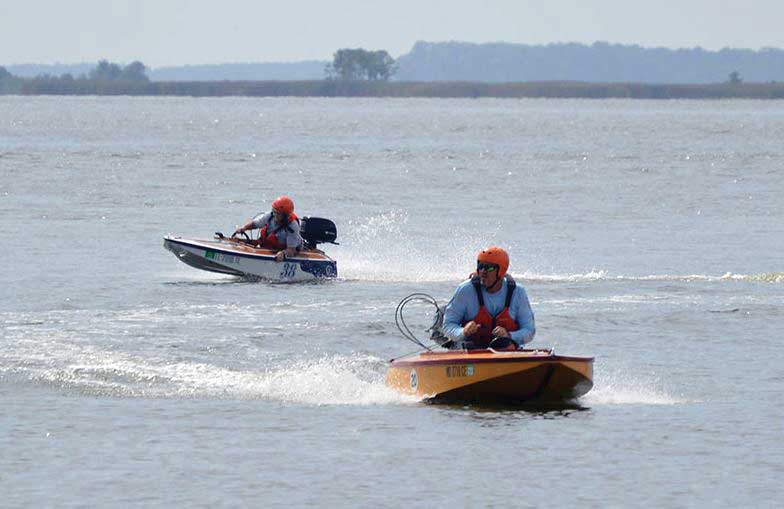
174	32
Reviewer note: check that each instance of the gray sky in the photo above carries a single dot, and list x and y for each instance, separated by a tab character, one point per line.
174	32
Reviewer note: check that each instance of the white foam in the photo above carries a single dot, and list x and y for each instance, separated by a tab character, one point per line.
611	299
382	249
599	275
765	277
328	380
192	275
593	275
621	388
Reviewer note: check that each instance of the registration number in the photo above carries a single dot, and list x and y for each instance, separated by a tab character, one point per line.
460	370
222	258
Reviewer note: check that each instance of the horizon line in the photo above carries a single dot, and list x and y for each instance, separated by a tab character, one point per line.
490	43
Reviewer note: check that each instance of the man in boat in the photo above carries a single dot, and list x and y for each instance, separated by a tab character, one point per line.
279	229
490	309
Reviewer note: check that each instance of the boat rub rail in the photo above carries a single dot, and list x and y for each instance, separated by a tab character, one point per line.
247	251
483	356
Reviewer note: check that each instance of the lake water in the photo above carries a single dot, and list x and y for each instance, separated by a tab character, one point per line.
647	234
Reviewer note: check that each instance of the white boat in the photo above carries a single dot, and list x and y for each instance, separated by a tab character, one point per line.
239	257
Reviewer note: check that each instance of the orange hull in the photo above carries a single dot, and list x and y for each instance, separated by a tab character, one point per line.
490	376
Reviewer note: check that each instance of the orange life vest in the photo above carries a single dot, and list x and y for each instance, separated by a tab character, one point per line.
270	240
488	322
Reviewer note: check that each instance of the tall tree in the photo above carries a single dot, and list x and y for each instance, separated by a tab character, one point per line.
360	64
105	71
379	65
734	78
135	71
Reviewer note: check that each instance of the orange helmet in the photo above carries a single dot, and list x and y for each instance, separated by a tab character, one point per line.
496	256
283	204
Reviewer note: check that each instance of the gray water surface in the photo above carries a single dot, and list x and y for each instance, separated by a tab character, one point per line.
647	234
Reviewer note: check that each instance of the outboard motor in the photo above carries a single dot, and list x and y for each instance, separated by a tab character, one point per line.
317	230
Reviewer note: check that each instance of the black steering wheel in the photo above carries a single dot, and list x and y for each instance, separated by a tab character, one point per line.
498	342
247	238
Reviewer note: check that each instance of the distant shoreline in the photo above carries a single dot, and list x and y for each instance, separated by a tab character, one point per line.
333	88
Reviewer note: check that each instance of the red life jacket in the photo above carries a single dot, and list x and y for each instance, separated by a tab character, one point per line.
270	240
488	322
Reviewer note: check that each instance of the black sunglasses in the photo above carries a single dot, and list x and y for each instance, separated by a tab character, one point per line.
489	267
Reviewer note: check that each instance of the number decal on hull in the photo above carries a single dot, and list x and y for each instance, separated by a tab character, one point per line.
460	371
288	271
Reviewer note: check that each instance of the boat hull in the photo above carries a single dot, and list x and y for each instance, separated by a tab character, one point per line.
487	376
229	256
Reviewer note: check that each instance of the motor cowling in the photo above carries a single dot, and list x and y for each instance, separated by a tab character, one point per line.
317	230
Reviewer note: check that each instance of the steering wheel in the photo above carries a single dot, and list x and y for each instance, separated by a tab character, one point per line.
498	343
247	238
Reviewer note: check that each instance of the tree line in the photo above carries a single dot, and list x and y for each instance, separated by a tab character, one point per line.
109	78
361	73
596	63
105	76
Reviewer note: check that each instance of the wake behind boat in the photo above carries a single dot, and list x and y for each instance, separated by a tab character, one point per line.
240	257
485	375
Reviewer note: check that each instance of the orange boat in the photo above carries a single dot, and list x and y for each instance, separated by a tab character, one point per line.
490	376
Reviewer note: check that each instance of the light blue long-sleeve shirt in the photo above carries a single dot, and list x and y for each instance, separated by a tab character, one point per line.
464	306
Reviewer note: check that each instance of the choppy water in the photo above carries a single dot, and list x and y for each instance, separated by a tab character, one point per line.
648	234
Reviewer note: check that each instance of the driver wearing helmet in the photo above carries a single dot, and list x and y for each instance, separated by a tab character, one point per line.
278	229
490	309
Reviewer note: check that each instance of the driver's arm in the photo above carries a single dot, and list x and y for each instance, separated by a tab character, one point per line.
524	316
254	223
245	227
293	241
456	311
